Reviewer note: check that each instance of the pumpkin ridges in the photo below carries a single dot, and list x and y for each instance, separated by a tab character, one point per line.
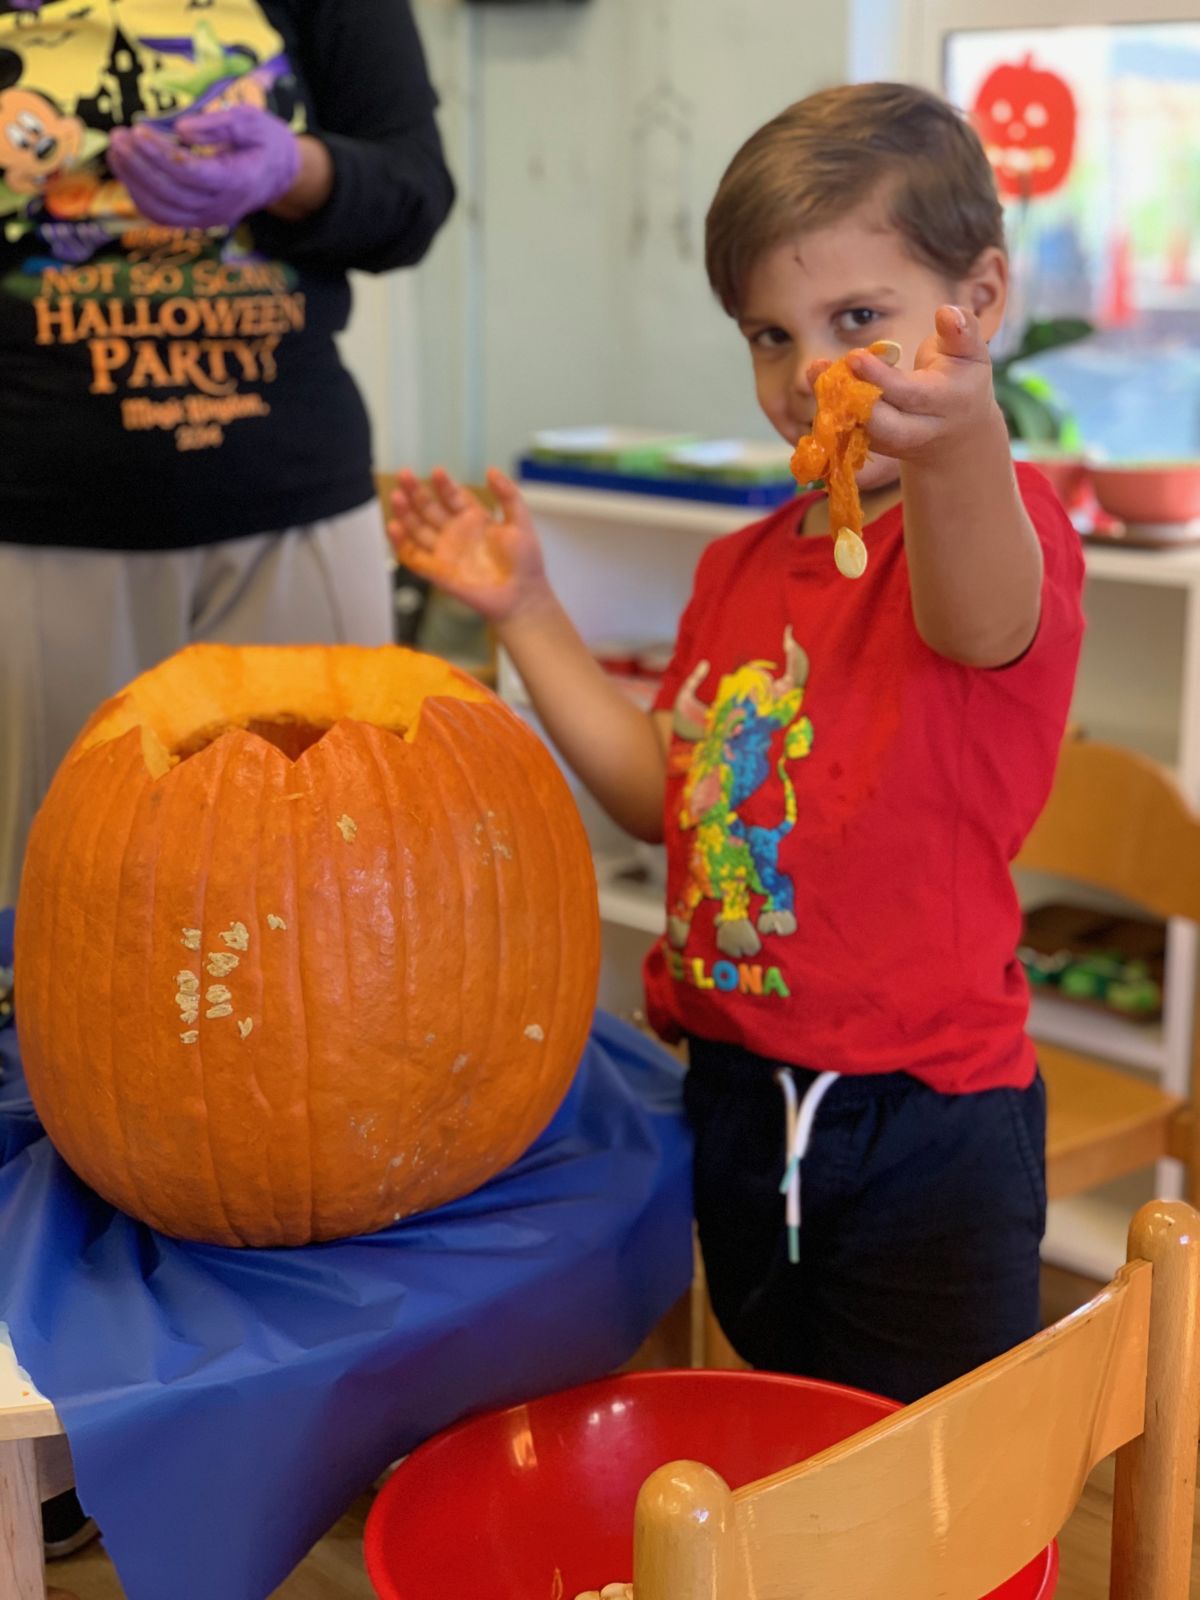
126	880
373	842
194	894
295	1004
401	964
68	944
528	813
318	845
269	988
523	811
281	1011
577	932
220	761
577	900
560	949
498	973
490	975
77	1129
252	1005
542	782
446	958
65	1108
365	1026
415	828
470	963
37	923
191	812
557	938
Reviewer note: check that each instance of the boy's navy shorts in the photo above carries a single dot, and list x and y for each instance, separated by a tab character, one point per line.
921	1219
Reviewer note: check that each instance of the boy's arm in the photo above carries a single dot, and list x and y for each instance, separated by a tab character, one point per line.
975	564
615	748
974	561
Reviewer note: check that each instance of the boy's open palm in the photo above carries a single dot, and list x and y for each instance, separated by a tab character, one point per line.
442	531
946	397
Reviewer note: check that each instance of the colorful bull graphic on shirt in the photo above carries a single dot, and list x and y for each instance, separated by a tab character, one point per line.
730	860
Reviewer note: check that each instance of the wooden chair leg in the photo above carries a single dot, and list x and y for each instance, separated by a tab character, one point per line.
683	1540
22	1567
1155	1485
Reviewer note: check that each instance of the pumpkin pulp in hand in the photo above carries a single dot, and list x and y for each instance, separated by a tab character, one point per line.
836	450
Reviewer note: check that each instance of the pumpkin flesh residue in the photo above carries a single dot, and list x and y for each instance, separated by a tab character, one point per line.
836	451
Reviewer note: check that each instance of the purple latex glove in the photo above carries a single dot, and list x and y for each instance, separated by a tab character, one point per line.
219	169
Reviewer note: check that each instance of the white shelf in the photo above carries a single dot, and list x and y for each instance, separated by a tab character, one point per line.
638	510
1136	1044
1087	1234
1176	569
1161	745
639	906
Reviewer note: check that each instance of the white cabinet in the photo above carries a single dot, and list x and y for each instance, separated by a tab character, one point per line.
623	564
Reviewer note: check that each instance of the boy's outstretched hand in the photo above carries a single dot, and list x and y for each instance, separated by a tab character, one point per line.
943	402
443	532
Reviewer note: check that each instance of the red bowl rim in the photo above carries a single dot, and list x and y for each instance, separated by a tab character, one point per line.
419	1458
1185	466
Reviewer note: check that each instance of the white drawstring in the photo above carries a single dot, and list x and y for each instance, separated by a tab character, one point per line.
801	1114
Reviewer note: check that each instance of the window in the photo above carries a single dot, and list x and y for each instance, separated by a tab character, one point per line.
1094	133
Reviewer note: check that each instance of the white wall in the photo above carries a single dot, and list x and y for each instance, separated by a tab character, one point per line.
569	286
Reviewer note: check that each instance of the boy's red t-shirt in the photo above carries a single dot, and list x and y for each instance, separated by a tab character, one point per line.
839	833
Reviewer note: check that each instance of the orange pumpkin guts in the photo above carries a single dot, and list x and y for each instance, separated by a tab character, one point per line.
307	941
837	449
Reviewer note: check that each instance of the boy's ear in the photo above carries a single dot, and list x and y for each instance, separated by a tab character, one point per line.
986	289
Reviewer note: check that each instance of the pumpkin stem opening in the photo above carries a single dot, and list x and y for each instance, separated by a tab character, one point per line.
291	738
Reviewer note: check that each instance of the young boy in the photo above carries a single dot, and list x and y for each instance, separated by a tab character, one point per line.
842	770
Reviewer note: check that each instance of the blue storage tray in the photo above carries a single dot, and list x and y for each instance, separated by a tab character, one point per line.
751	495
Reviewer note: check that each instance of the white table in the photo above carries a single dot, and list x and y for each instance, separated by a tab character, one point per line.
35	1463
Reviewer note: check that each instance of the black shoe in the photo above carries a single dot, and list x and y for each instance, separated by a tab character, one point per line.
66	1526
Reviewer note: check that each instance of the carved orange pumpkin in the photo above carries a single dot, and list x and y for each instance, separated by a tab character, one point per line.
1026	118
307	941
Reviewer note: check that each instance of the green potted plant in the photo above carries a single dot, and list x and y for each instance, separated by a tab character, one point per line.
1034	414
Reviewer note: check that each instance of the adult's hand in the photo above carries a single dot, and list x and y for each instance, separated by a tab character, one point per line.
220	168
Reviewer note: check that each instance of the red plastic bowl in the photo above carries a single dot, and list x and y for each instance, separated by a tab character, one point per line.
499	1504
1067	474
1148	492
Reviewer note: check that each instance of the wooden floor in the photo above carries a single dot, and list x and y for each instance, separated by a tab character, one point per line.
334	1569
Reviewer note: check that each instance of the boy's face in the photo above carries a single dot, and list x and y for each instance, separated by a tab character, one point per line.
835	289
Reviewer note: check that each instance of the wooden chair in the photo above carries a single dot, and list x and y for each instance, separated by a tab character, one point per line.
1116	821
953	1495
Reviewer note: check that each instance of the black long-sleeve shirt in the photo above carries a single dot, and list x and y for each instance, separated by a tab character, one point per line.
162	388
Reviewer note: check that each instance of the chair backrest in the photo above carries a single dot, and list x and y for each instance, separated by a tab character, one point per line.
1119	821
953	1495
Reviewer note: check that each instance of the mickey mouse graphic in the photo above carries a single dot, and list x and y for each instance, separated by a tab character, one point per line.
36	139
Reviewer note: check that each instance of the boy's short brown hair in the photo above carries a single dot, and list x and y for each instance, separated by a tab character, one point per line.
826	155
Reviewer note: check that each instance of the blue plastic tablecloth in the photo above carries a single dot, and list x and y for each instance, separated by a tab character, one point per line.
225	1406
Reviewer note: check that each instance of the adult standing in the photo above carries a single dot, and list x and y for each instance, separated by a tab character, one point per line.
184	185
